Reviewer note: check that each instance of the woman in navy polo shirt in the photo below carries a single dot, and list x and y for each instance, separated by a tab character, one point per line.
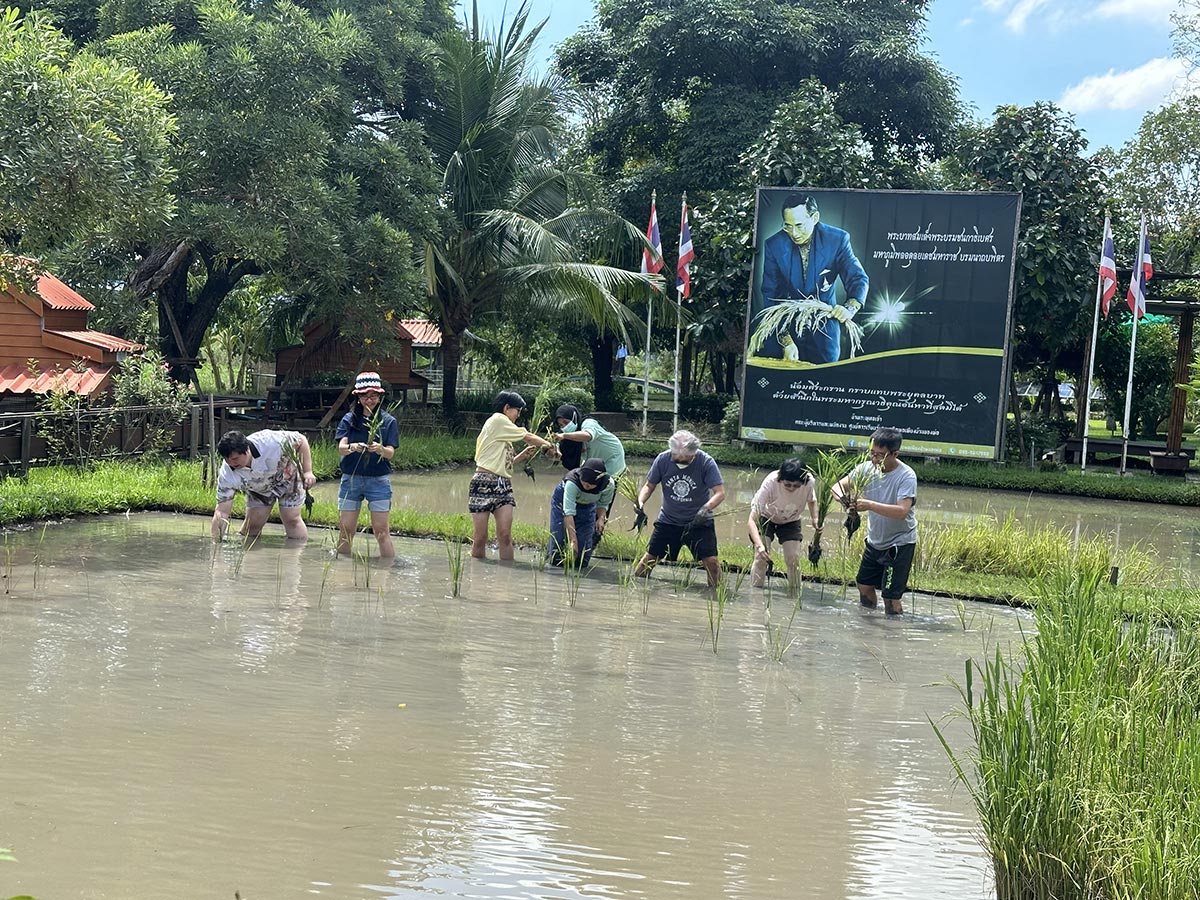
366	464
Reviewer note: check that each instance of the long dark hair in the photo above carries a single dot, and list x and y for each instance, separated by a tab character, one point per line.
360	414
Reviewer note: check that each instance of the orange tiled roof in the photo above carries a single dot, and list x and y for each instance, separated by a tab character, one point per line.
100	339
424	333
58	296
17	379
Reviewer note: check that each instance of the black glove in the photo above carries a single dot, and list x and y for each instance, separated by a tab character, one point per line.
703	516
639	519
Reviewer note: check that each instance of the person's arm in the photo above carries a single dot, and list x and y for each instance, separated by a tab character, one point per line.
582	436
887	510
756	539
854	280
345	448
839	490
716	497
306	474
220	519
644	493
537	442
572	539
812	514
387	447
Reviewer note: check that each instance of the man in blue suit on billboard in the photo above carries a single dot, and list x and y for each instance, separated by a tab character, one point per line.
805	260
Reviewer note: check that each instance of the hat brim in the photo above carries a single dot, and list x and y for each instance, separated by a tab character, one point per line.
369	390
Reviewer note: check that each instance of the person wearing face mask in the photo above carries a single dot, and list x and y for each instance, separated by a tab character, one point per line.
573	510
775	513
889	495
588	435
692	489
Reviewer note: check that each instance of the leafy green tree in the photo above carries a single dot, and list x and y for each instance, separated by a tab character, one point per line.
83	141
1038	151
510	235
293	153
1158	173
1153	372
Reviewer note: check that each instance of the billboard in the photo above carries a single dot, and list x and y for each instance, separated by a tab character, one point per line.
872	308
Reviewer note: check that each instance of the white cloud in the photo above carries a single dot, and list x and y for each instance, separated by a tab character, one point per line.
1141	88
1019	13
1157	11
966	23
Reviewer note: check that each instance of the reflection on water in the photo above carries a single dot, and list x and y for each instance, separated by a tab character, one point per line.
182	723
1172	532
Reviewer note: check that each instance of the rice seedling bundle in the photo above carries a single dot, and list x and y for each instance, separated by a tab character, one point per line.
798	316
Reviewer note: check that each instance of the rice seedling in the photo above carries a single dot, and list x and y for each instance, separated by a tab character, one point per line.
539	566
780	634
799	315
324	580
1083	748
717	596
454	556
574	568
831	466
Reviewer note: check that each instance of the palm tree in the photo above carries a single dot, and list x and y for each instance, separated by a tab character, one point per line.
510	234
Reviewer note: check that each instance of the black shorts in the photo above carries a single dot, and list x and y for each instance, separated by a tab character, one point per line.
488	492
667	539
782	532
873	570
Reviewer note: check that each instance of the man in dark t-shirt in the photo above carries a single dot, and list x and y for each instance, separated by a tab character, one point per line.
692	489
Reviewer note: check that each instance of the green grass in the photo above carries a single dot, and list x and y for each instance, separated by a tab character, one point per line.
1085	764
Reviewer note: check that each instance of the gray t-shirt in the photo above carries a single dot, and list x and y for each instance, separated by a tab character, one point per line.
685	489
889	488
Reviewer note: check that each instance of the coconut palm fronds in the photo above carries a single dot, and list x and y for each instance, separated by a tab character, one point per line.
799	315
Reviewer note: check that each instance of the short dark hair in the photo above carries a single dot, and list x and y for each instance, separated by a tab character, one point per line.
793	470
508	398
808	201
232	442
888	438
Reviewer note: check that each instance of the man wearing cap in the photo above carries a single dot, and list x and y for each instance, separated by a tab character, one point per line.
573	512
367	439
269	467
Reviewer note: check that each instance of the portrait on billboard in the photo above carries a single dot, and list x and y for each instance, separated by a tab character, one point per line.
801	314
871	308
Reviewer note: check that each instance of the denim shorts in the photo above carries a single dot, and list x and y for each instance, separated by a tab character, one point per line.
375	489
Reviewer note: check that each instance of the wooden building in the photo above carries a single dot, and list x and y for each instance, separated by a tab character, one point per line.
325	351
45	343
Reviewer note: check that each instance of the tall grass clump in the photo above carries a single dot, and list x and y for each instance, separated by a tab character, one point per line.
1085	766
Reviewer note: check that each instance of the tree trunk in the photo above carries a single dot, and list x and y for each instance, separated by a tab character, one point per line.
601	344
731	363
451	358
1014	402
184	320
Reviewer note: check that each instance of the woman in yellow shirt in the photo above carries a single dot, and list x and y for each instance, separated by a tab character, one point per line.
491	492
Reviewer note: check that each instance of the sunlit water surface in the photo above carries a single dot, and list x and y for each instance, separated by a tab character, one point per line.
182	723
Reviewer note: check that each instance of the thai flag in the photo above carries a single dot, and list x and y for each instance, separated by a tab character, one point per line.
1108	269
652	262
683	274
1143	271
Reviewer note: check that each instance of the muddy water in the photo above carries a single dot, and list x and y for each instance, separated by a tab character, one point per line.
176	722
1172	532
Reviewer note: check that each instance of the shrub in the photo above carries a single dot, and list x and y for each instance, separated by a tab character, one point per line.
731	419
704	407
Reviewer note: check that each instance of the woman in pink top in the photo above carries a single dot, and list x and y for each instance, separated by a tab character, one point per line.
775	513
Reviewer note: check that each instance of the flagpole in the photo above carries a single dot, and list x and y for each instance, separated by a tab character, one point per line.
646	370
678	330
1137	279
1087	405
649	321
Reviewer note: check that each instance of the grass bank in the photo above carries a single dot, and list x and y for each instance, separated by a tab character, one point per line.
985	561
1084	766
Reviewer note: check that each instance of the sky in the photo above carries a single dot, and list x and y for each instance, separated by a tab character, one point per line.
1108	62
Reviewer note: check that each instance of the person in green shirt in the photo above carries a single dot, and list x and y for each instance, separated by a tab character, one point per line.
573	509
596	442
491	492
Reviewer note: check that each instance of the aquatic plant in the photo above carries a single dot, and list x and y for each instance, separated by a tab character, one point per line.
717	597
455	559
574	568
830	467
1084	742
779	634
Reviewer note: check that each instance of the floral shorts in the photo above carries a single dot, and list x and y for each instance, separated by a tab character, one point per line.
489	492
